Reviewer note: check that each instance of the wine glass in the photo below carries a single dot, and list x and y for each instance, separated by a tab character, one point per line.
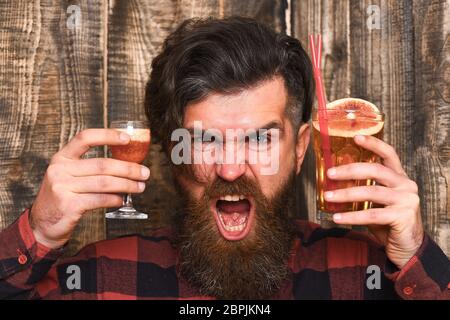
135	151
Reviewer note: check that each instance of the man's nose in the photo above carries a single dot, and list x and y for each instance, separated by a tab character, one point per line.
232	164
230	172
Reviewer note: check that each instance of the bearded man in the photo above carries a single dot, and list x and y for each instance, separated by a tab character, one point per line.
237	236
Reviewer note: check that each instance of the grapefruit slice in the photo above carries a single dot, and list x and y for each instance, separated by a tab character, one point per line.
349	117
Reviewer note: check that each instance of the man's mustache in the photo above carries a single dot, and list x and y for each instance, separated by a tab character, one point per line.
242	185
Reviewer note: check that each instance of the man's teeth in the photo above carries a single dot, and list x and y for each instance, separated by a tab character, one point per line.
239	227
242	222
232	197
235	228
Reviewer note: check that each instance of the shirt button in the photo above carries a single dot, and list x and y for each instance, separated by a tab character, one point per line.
408	291
22	259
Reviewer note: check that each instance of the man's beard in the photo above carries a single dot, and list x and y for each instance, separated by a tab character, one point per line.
252	268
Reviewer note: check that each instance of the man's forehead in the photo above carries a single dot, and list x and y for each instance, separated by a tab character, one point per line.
248	109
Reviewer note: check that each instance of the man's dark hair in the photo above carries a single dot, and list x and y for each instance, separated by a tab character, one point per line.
204	56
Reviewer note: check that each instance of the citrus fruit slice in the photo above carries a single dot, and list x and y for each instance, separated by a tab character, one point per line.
351	116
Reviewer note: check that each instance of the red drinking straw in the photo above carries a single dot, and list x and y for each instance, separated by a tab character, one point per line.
316	53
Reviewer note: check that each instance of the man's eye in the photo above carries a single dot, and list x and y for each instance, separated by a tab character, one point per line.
205	143
259	138
197	140
264	138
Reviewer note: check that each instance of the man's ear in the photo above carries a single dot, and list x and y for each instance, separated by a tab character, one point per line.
303	136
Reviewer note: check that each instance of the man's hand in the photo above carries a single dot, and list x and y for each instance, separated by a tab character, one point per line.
398	225
72	186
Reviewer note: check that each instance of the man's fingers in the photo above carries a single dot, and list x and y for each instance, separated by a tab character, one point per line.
375	216
86	139
109	167
377	194
382	149
361	171
105	184
93	201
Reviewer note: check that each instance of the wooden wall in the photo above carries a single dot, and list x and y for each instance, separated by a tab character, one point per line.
56	80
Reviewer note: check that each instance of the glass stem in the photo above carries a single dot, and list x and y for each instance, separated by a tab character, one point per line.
127	201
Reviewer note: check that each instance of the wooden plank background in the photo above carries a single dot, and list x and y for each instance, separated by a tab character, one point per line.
51	87
56	81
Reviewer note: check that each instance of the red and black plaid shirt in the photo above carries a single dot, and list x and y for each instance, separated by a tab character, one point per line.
325	264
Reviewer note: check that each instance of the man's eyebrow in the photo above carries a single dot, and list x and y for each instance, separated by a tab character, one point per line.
275	124
192	131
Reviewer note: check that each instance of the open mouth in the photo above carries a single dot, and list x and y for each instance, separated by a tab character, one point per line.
234	215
